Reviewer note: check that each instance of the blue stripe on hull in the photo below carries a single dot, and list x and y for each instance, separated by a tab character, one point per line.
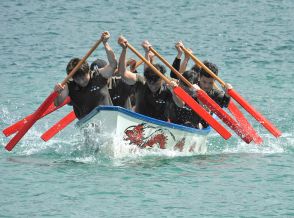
143	118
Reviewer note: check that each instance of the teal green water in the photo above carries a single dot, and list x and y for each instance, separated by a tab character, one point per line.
252	42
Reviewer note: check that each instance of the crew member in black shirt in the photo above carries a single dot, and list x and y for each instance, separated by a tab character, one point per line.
88	89
185	115
152	94
206	83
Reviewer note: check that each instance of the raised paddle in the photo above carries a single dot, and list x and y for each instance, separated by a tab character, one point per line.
211	104
138	63
18	125
269	126
187	99
48	101
60	125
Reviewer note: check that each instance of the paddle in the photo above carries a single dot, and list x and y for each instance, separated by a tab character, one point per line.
270	127
242	121
211	104
138	63
187	99
60	125
48	101
19	124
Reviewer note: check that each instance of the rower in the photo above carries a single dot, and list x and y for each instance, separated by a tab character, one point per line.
132	63
152	94
88	89
185	115
119	91
206	83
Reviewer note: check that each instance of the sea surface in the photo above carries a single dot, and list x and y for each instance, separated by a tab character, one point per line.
252	43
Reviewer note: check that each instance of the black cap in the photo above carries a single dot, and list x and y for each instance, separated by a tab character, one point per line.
99	63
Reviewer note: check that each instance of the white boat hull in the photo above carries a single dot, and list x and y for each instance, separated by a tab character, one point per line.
144	132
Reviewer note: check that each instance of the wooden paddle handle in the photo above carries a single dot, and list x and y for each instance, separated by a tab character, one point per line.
180	76
199	63
148	63
138	64
72	73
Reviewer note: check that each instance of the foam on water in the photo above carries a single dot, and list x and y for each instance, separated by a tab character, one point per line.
71	145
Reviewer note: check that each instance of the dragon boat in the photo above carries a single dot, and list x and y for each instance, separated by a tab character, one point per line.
145	132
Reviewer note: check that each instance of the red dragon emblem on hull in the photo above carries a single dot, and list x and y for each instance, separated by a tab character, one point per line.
144	135
136	135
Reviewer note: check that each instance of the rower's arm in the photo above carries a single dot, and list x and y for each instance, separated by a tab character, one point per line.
110	68
63	93
146	46
176	65
127	76
177	62
147	57
176	99
184	64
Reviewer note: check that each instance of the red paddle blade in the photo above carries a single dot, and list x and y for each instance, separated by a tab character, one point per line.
244	122
202	112
57	127
35	116
16	126
270	127
225	117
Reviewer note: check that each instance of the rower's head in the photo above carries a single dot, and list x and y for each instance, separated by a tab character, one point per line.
82	76
97	64
191	76
152	79
196	69
205	80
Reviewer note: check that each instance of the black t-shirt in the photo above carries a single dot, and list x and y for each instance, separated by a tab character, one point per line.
85	99
183	115
120	92
149	104
186	116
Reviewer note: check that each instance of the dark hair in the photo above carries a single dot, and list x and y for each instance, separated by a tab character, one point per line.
98	63
211	66
196	69
84	69
191	76
150	75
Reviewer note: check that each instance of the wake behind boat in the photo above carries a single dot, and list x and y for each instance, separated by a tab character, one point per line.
145	132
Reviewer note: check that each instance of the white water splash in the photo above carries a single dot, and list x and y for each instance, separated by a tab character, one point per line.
71	144
270	145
